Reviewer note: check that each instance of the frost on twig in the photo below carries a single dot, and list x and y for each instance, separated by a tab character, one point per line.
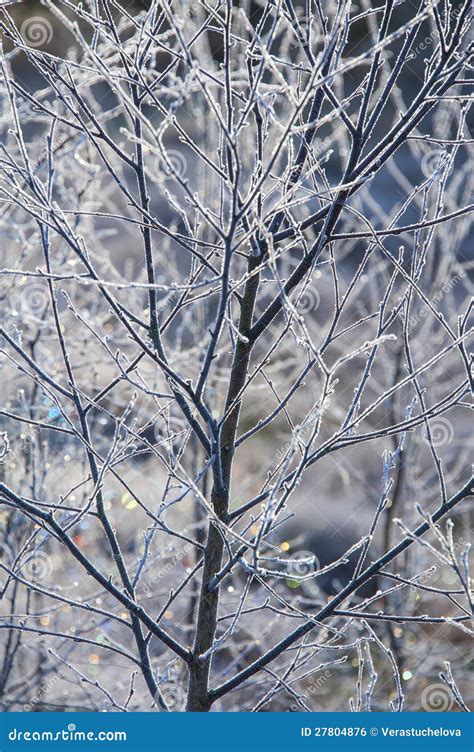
235	352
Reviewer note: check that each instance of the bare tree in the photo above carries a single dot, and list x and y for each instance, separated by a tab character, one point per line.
236	275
